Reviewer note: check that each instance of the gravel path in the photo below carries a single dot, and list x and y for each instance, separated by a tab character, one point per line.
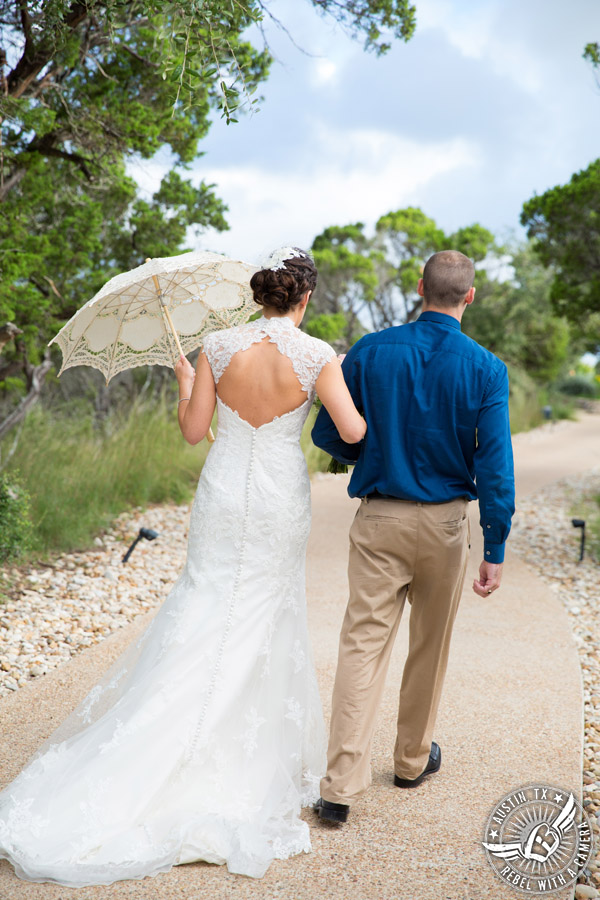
510	713
49	614
544	537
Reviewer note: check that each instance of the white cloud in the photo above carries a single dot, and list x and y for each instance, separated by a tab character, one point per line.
466	28
323	72
521	41
354	176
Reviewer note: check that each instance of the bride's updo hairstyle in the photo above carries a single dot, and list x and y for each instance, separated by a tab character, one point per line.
283	282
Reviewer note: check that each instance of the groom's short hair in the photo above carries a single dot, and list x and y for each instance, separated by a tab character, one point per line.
447	277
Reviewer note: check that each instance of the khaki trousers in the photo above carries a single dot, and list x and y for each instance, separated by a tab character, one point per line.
398	549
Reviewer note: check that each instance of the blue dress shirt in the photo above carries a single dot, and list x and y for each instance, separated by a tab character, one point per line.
436	407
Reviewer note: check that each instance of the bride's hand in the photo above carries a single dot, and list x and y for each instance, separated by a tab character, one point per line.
184	371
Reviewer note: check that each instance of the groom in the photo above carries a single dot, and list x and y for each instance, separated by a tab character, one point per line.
438	435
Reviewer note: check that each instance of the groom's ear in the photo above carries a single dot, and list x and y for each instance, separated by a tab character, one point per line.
470	296
420	288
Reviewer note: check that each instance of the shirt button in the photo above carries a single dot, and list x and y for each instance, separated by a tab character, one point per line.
488	526
488	552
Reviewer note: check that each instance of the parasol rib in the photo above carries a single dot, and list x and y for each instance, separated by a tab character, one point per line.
167	315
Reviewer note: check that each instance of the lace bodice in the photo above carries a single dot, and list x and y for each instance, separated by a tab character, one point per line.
307	354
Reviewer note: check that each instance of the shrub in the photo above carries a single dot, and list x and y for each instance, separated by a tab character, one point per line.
15	523
576	386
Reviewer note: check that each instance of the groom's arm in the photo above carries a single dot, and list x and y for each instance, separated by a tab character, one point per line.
494	473
324	434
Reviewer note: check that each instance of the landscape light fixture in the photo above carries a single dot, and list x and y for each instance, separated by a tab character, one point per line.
147	533
580	523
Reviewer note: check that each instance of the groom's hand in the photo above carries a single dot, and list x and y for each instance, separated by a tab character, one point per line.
490	575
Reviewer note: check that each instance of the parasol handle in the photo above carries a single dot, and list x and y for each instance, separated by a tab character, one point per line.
209	434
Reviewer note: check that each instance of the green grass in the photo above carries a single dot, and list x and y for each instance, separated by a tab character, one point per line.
79	477
527	400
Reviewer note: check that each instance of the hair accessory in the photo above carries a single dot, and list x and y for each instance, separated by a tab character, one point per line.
276	259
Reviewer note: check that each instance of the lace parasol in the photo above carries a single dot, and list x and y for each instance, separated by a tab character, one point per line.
152	314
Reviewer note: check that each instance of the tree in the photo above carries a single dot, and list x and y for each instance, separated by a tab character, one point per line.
372	281
87	86
404	240
515	320
564	223
347	284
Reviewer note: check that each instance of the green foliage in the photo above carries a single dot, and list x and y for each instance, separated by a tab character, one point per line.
378	20
515	318
374	279
591	53
326	327
404	239
577	386
474	241
565	225
316	459
80	477
524	401
527	401
347	280
15	522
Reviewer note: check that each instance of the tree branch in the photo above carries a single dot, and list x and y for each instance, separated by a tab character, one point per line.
47	147
141	59
7	333
35	58
12	181
35	380
79	161
25	23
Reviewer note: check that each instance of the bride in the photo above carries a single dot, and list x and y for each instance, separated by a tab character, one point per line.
206	738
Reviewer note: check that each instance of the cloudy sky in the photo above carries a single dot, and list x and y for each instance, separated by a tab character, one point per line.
489	103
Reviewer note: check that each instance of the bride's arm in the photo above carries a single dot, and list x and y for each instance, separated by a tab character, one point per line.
336	399
198	397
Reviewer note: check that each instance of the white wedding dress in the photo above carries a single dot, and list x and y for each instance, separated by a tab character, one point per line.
206	738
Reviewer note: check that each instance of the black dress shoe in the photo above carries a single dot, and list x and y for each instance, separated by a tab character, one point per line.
333	812
435	761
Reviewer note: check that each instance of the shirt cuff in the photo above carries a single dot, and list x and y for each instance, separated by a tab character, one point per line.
493	553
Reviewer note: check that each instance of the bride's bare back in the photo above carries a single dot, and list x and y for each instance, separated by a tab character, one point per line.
260	383
263	370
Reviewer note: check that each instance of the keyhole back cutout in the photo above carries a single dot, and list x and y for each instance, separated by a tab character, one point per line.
260	384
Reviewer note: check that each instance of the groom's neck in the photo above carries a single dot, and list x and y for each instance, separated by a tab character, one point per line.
455	311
